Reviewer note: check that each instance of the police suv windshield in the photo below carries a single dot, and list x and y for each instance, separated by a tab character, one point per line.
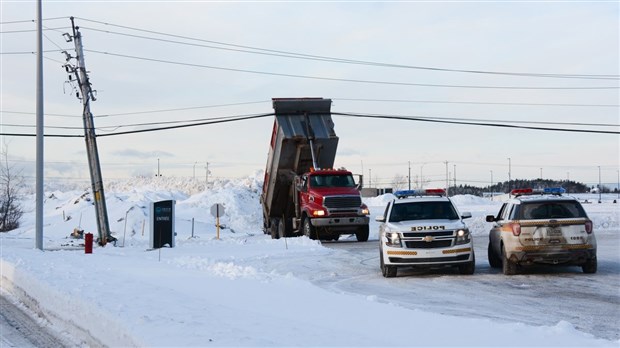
423	211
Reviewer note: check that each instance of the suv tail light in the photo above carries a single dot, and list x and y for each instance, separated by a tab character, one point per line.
588	226
516	229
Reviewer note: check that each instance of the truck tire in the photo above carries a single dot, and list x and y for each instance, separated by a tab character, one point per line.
494	260
273	228
508	267
284	227
309	230
362	234
387	271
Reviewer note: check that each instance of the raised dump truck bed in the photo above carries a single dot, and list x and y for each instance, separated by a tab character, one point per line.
302	143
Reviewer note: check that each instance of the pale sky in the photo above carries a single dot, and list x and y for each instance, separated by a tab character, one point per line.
194	59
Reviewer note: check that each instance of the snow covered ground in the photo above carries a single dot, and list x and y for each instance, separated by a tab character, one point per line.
246	289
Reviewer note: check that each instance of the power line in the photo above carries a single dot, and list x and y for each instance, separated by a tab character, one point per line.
212	121
234	117
31	30
32	20
421	119
264	51
473	102
143	112
188	125
391	117
180	109
345	80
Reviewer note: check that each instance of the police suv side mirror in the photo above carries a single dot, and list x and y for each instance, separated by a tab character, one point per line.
491	218
466	215
380	218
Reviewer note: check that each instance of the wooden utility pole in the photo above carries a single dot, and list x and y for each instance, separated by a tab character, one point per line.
91	140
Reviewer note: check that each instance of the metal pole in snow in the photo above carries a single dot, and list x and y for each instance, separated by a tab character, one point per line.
217	220
39	166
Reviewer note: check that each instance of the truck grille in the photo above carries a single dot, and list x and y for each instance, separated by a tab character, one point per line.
342	202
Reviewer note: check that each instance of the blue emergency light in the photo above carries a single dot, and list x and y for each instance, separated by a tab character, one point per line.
554	190
420	192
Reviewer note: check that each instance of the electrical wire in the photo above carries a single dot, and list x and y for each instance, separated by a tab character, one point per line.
472	102
414	118
469	120
345	80
258	50
212	121
390	117
32	20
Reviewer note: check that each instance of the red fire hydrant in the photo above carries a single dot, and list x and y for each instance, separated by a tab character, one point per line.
88	243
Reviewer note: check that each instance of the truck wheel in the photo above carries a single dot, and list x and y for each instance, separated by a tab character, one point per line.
273	229
362	234
387	271
469	267
309	230
494	260
508	267
284	227
590	266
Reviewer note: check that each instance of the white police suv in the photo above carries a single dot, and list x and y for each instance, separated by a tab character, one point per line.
541	227
422	228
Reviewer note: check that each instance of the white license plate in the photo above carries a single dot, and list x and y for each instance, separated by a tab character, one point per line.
554	231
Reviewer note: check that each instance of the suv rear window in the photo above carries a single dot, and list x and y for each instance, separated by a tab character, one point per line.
549	210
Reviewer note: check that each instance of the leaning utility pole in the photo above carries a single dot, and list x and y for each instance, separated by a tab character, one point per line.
91	140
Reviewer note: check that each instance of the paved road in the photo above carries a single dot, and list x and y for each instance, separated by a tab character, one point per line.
542	296
17	329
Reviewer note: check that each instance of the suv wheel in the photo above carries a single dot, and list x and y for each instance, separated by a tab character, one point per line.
387	271
469	267
494	260
590	266
508	267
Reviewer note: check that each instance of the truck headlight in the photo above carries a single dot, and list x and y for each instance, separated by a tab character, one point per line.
393	239
318	213
462	236
364	210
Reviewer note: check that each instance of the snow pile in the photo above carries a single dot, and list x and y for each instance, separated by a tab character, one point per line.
244	289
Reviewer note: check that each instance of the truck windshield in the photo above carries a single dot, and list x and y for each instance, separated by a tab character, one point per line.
332	181
423	211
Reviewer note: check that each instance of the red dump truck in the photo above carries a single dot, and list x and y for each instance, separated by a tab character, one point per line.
302	193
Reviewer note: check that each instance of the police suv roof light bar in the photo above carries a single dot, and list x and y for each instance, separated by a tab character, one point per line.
546	191
421	192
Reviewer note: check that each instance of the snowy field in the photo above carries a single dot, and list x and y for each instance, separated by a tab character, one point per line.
246	289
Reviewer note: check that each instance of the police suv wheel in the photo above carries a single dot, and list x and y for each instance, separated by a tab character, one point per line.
494	260
387	271
469	267
508	267
590	266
